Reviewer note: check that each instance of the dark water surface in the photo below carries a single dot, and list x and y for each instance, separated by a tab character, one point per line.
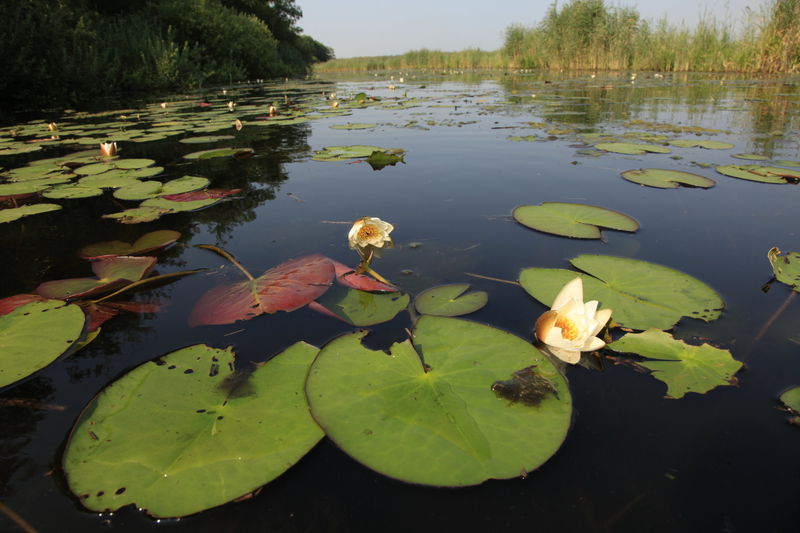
633	460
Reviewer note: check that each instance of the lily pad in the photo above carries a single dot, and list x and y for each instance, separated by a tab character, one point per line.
683	367
93	168
9	215
221	152
361	308
172	206
72	191
450	300
149	242
206	139
286	287
791	399
427	412
36	334
137	215
380	159
112	273
785	267
573	220
750	157
632	148
353	126
133	164
667	179
343	153
144	190
185	433
642	295
760	173
708	145
787	163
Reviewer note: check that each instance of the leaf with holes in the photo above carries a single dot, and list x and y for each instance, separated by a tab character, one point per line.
684	368
429	412
34	335
112	273
187	433
642	295
578	221
450	300
785	267
286	287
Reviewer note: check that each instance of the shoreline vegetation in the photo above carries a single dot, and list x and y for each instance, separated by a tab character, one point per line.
592	35
71	52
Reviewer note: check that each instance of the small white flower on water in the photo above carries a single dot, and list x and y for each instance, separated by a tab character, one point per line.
571	326
231	105
369	231
108	149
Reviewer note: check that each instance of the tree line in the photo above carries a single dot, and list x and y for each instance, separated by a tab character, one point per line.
68	52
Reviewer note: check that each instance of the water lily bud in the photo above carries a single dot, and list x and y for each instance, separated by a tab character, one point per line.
108	149
52	126
571	326
272	111
335	104
369	231
231	105
238	125
163	105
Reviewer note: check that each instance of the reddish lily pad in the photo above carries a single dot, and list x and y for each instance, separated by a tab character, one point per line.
149	242
10	303
348	277
286	287
205	194
112	274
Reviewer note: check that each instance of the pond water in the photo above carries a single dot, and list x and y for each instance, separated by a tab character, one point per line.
633	459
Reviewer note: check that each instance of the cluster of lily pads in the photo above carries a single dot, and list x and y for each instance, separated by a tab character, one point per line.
471	401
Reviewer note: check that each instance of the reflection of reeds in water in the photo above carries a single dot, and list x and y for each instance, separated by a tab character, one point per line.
588	34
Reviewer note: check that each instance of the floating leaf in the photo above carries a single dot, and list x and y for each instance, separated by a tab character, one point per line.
286	287
343	153
204	194
348	277
361	308
518	138
683	367
152	189
72	191
149	242
237	153
9	303
380	159
632	148
34	335
353	126
787	163
112	273
137	215
785	267
667	179
572	220
450	300
133	164
92	169
708	145
751	157
9	215
426	413
187	433
760	173
791	399
206	139
642	295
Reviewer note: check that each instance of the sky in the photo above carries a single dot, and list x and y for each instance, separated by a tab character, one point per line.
389	27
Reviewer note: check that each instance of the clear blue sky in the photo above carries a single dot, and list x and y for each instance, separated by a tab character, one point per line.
387	27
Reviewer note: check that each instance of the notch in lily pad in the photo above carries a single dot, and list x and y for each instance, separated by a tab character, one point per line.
450	300
579	221
683	367
785	267
667	179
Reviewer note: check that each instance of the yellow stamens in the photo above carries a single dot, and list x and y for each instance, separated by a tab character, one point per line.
367	232
569	330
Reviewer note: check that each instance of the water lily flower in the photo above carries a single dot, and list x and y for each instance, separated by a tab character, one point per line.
163	105
570	326
231	105
52	126
108	149
238	125
272	111
369	231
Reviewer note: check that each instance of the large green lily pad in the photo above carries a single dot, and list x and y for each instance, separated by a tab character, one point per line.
144	190
221	152
112	273
785	267
344	153
632	148
431	412
14	213
579	221
683	367
642	295
185	433
72	191
759	173
667	179
362	308
708	145
137	215
450	300
36	334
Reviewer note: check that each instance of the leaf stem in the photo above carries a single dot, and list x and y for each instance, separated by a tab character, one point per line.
493	279
227	256
148	280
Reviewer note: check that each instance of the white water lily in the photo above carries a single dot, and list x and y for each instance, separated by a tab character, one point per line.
571	326
108	149
369	231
